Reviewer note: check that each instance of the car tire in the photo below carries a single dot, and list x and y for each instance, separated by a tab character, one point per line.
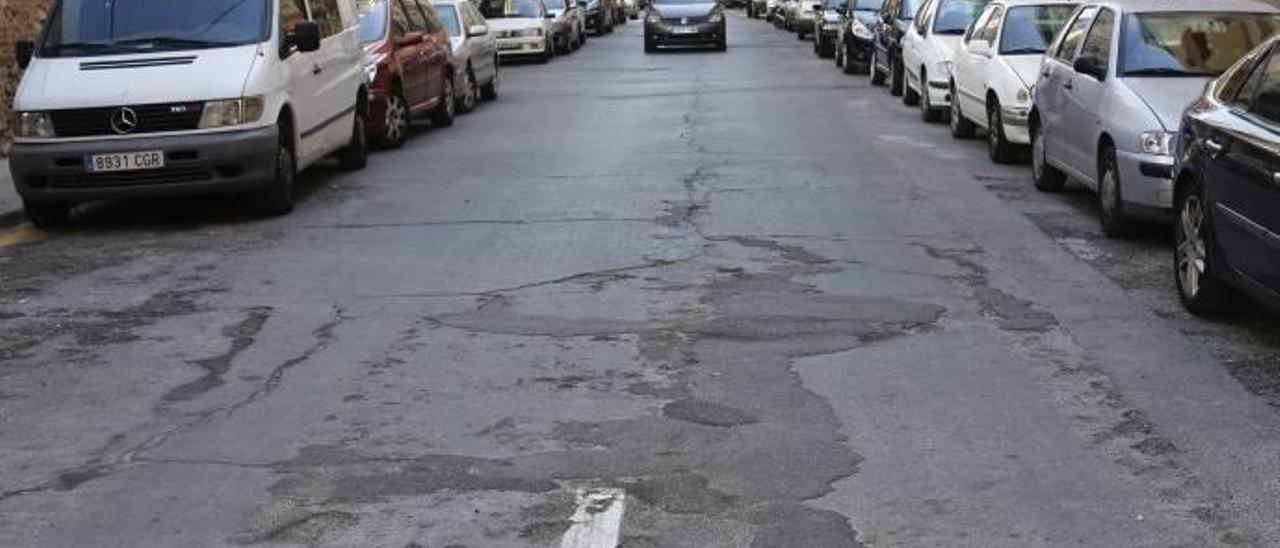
1046	177
444	113
47	214
961	127
548	51
1111	215
649	45
1200	289
898	78
877	77
355	156
723	43
472	94
839	57
998	146
489	91
928	113
277	197
395	127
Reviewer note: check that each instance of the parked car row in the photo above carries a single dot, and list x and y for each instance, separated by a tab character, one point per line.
137	98
1169	110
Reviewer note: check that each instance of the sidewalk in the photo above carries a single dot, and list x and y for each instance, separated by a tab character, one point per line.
10	205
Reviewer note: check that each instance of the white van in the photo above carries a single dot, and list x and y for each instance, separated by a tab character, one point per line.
144	98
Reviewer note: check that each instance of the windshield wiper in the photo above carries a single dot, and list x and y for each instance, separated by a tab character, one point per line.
82	46
1163	71
1022	51
949	32
172	42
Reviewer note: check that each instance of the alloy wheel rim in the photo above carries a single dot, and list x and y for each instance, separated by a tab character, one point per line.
1191	252
1107	190
397	119
993	125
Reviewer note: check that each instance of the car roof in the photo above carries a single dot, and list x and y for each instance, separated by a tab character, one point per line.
1257	6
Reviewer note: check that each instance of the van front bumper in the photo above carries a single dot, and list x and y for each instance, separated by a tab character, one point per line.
207	163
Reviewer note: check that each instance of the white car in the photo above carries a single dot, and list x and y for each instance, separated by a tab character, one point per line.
570	27
995	67
206	97
523	28
927	52
475	52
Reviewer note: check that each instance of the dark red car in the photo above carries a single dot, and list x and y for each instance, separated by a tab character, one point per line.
409	62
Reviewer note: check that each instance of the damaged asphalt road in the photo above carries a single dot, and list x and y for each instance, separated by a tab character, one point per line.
729	300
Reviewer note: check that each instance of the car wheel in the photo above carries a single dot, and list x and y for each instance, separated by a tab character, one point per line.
471	93
1047	178
548	51
928	113
396	122
877	77
649	45
444	113
489	91
898	81
1111	213
911	97
961	127
48	214
277	197
355	155
839	56
722	44
1200	289
998	146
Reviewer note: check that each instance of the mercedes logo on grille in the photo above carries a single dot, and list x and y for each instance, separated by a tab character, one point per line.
684	20
124	120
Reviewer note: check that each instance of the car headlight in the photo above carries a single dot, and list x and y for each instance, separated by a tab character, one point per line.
1023	95
33	124
716	17
1156	142
653	19
231	112
860	30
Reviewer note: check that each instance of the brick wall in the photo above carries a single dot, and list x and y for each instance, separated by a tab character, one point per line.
19	20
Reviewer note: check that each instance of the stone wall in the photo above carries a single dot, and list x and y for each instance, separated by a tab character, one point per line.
19	20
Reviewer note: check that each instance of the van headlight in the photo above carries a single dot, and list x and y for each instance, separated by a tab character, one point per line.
37	125
231	112
1156	142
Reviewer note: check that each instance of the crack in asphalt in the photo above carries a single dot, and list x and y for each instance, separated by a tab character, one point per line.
467	222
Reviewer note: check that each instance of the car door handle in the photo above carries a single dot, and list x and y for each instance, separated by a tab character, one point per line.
1068	85
316	69
1214	147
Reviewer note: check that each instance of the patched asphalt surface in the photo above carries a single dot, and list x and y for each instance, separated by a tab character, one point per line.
755	294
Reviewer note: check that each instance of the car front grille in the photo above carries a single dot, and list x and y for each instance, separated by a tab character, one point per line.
155	118
129	178
683	20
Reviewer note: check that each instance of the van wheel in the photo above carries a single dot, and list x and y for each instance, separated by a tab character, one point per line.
1047	178
355	155
489	91
277	197
443	115
472	91
1200	289
47	215
1115	223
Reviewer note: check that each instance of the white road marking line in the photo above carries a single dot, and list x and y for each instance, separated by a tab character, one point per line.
598	519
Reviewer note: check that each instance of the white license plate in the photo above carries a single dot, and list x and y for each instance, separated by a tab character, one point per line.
509	46
124	161
684	30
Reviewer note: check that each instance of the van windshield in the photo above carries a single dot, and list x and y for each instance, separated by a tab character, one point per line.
105	27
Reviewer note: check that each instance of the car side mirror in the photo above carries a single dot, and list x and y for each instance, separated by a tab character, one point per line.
411	38
306	36
1089	65
477	30
23	51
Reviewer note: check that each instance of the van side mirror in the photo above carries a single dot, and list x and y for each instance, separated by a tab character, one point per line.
477	30
1089	65
306	36
23	51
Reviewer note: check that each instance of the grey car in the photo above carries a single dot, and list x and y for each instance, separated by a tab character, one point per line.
475	51
1109	98
569	21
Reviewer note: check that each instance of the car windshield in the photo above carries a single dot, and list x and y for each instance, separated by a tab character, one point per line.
835	5
868	5
1030	29
954	16
97	27
1190	44
373	20
449	17
498	9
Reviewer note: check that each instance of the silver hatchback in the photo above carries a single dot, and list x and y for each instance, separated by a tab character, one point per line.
1109	98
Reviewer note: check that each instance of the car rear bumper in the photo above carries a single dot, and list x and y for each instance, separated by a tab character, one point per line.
231	161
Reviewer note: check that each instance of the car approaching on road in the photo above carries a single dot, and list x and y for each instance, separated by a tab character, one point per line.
855	41
1227	189
886	54
409	64
1111	92
684	23
928	50
522	28
995	67
827	30
569	28
184	98
475	52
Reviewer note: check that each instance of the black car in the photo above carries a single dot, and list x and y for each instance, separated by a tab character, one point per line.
1227	188
855	41
684	23
886	55
827	26
599	15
